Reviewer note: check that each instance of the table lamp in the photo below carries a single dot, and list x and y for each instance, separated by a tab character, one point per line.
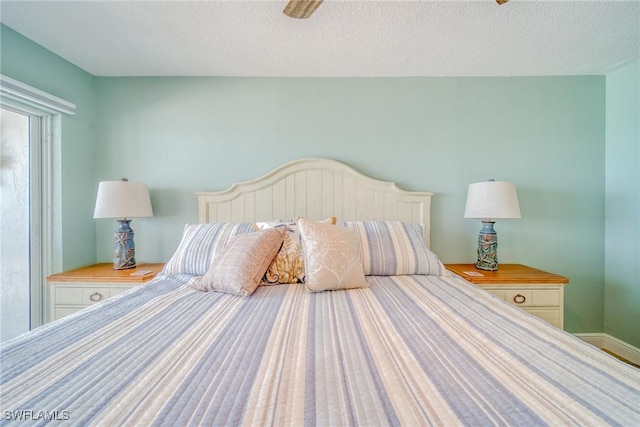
123	200
488	201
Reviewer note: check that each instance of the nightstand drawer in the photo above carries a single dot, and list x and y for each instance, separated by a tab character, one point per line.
552	316
533	297
86	295
62	312
69	298
524	297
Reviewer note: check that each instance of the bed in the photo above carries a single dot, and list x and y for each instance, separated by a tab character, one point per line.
404	349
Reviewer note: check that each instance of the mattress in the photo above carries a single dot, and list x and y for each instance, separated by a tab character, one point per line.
408	350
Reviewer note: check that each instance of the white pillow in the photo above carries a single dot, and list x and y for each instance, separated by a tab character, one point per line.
331	257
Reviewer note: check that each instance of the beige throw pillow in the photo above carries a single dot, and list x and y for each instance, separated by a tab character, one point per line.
242	264
331	257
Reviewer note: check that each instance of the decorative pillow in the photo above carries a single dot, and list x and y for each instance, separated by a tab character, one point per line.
330	257
239	269
392	248
200	245
288	265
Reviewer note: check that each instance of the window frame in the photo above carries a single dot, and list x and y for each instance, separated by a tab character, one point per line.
45	176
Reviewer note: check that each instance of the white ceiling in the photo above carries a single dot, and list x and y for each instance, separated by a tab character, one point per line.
342	38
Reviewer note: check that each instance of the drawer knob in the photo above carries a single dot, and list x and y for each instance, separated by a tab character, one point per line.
519	299
96	296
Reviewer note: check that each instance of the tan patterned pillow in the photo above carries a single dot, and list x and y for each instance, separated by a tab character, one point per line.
243	263
288	265
331	257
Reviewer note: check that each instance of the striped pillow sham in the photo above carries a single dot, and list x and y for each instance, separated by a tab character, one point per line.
393	248
200	245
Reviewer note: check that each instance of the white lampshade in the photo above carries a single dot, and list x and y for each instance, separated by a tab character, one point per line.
491	200
122	199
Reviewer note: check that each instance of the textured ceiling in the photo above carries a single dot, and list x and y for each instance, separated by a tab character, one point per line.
342	38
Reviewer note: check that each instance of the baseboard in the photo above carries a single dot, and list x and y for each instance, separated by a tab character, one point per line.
595	339
613	344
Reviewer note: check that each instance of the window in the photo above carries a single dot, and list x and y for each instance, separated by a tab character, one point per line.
30	130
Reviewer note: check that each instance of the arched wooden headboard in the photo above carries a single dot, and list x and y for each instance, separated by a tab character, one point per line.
316	189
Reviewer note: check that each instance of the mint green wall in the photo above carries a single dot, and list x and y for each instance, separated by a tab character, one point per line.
622	219
546	134
182	135
29	63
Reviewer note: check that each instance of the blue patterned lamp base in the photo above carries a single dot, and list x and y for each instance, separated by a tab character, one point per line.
487	247
124	248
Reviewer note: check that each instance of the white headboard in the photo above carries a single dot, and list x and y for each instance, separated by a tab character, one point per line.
316	189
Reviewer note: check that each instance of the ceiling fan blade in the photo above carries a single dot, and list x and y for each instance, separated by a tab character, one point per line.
501	1
301	9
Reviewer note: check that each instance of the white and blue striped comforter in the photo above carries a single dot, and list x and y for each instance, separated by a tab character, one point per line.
409	350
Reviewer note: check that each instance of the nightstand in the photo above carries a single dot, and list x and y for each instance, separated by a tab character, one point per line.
73	290
538	292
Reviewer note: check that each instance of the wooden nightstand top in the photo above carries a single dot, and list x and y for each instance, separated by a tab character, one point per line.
506	274
104	272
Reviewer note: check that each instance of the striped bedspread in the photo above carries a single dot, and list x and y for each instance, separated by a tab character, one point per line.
409	350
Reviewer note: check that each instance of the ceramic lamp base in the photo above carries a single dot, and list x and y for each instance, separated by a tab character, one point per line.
124	248
487	247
